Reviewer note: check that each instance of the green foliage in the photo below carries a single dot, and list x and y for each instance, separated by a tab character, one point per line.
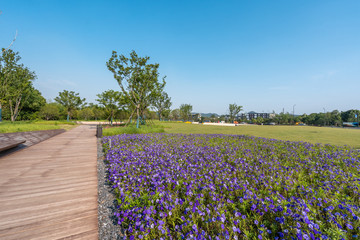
85	114
70	100
175	114
349	116
162	104
99	113
283	118
31	107
138	80
185	111
8	64
50	111
234	110
111	101
15	83
334	118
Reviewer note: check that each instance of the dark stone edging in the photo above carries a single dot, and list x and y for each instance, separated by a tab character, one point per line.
108	228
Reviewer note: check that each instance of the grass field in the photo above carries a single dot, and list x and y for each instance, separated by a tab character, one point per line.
25	126
324	135
133	130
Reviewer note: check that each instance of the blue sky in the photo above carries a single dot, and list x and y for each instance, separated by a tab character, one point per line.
263	55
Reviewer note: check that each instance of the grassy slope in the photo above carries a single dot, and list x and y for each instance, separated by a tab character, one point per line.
324	135
25	126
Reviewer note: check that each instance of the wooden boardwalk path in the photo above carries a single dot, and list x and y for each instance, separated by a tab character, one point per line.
49	190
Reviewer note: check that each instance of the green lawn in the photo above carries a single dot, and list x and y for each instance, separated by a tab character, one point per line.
324	135
25	126
109	131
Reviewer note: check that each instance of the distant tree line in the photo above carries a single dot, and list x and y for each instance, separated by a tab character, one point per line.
333	118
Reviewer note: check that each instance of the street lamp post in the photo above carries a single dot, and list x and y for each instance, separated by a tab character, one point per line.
294	113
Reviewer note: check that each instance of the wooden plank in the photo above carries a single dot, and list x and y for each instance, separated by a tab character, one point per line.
49	190
5	145
65	229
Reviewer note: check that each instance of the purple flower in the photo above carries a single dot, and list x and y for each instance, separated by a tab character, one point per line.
349	226
159	178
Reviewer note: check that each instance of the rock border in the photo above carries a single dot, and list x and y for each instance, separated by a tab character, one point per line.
107	223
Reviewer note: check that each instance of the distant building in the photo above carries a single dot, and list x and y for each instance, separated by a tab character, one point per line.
253	115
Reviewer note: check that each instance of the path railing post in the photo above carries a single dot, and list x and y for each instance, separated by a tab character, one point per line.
99	131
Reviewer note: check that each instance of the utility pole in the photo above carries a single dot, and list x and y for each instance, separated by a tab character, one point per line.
324	117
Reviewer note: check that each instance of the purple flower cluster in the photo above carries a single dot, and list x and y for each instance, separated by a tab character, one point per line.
173	186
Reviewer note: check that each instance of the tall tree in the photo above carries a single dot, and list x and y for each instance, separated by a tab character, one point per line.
162	104
111	100
15	82
32	105
70	100
20	90
50	111
185	111
99	112
8	64
175	114
138	80
335	118
234	110
349	115
86	113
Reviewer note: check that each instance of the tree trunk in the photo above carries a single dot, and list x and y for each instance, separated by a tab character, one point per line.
16	111
0	112
11	111
138	115
130	118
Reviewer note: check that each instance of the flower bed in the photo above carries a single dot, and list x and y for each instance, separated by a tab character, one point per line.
172	186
